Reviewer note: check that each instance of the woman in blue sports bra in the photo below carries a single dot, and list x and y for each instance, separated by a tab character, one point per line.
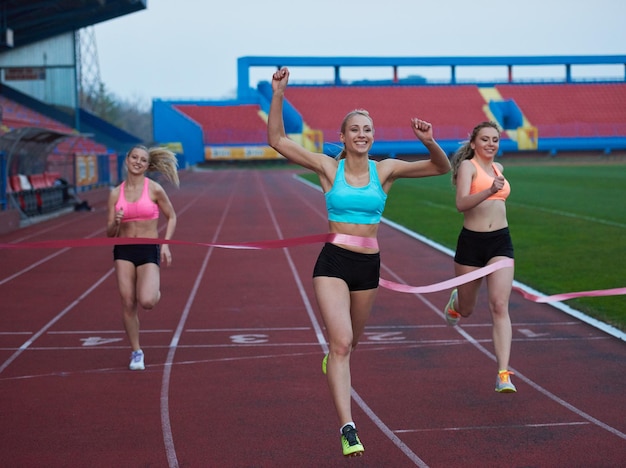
345	277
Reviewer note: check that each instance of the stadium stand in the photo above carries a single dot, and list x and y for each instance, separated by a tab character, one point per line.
544	117
228	125
15	115
571	110
451	109
46	138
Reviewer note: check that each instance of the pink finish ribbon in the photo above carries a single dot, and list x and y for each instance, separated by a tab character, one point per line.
448	284
571	295
330	237
257	245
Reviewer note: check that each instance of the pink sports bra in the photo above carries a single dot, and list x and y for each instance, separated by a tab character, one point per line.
483	181
143	209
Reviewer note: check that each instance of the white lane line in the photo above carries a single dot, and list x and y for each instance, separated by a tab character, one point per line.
45	259
166	425
32	266
499	427
149	367
103	332
58	317
366	345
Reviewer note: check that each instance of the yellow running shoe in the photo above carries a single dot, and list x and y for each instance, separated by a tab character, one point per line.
452	316
324	364
503	382
350	443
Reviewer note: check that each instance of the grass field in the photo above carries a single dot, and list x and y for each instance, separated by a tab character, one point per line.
567	221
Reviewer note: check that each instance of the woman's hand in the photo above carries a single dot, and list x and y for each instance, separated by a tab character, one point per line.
423	130
280	78
119	215
497	185
166	256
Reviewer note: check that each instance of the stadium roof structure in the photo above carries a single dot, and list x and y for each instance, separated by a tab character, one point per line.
27	148
24	22
567	61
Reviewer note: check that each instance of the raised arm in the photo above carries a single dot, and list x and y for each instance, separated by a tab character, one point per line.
276	136
438	163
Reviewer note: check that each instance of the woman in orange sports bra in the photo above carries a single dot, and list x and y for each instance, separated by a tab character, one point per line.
133	211
481	192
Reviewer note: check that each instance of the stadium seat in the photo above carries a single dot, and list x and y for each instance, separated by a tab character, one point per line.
23	194
49	197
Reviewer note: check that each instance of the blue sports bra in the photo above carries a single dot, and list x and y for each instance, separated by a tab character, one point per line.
358	205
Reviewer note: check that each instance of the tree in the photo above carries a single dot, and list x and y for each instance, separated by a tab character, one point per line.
130	115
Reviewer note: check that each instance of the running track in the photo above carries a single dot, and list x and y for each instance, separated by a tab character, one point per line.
233	354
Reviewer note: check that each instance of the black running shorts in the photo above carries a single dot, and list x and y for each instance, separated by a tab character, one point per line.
360	271
138	254
477	248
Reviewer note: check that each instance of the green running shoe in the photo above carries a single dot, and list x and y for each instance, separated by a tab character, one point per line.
350	443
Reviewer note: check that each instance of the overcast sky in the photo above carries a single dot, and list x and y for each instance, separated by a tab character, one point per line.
188	49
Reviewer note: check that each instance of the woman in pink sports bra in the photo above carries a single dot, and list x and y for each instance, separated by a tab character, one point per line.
133	211
481	192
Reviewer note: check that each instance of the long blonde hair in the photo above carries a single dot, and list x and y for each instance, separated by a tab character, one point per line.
466	151
162	160
344	124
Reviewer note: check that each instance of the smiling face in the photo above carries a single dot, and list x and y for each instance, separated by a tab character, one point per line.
137	161
486	142
357	132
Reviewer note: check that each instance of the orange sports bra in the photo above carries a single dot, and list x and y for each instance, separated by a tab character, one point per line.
143	209
483	181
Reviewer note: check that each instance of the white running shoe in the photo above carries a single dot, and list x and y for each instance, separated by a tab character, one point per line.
136	361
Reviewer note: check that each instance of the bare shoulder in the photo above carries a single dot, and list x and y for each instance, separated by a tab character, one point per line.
154	185
384	167
115	193
467	165
155	189
466	169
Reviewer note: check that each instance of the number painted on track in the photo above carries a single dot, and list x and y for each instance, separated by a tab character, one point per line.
249	339
385	336
97	341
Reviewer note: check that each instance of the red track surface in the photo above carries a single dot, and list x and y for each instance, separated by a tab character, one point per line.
233	354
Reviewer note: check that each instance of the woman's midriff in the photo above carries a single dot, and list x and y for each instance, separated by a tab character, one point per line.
359	230
146	229
490	215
